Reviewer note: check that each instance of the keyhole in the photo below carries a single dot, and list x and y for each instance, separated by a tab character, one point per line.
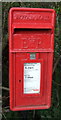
19	80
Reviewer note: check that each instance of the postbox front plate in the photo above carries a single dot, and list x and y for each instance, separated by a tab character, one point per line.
31	47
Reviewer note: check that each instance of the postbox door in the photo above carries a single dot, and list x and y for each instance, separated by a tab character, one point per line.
30	40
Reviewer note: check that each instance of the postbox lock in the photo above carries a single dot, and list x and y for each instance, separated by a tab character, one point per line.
32	55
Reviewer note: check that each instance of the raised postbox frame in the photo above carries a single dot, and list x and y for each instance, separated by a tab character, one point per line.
24	22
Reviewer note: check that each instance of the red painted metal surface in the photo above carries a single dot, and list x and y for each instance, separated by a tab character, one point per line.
31	30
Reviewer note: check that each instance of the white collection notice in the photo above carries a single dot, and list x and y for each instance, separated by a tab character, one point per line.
32	77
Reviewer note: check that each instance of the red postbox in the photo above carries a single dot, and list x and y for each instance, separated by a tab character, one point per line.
31	47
